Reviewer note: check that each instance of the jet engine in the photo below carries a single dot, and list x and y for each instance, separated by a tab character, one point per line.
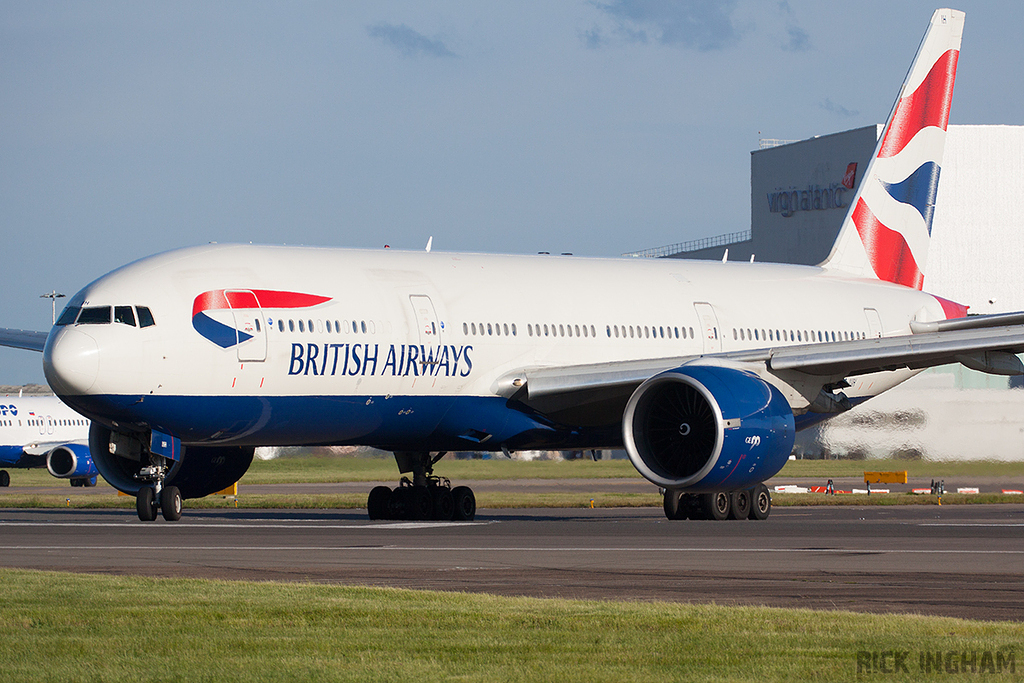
707	428
199	470
70	461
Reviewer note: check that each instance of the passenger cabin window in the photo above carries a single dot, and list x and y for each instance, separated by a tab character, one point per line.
145	316
95	315
124	315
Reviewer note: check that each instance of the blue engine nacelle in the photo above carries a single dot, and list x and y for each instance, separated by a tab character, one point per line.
199	471
71	461
705	428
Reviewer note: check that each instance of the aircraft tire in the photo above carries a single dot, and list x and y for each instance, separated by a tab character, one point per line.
761	503
170	503
398	503
378	502
5	478
145	504
465	504
675	505
716	505
739	505
421	504
444	503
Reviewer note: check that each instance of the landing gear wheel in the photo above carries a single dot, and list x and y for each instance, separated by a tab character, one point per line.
145	504
170	503
421	504
716	505
740	505
444	503
761	503
675	505
465	504
398	504
377	505
5	478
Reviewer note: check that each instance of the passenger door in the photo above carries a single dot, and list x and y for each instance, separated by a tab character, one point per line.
249	325
709	327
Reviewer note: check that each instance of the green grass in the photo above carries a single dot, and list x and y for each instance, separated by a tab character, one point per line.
316	469
98	628
327	469
322	469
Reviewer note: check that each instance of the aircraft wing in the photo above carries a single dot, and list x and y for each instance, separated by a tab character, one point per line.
42	448
23	339
988	349
604	387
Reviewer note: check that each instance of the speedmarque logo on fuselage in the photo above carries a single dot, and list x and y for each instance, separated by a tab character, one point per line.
223	303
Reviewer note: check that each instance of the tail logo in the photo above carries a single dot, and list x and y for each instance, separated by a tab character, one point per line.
214	312
850	177
890	222
905	142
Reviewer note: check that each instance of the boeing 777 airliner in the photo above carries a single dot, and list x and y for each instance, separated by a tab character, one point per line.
703	371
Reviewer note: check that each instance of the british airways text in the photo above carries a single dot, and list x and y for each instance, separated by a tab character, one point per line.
399	360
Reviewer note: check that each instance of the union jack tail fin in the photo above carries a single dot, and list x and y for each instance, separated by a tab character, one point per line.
885	235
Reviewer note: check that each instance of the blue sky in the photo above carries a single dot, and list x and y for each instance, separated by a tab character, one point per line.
600	127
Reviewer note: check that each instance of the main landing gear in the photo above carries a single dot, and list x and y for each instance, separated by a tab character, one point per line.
424	497
153	494
755	503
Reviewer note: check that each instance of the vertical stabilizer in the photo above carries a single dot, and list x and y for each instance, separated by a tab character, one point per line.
886	233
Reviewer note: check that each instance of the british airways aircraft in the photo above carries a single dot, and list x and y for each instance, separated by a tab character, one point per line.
703	371
40	431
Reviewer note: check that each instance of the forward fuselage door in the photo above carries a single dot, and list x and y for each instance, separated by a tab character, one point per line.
874	323
427	326
709	327
249	325
428	331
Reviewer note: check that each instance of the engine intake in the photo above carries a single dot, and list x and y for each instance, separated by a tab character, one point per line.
707	428
70	461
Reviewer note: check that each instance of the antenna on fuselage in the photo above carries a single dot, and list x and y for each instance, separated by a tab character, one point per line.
430	241
725	256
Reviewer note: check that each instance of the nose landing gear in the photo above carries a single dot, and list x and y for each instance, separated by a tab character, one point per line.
153	494
424	497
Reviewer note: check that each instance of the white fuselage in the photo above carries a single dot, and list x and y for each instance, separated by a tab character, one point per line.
441	325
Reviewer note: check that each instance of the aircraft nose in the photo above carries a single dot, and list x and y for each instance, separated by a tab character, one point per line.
71	361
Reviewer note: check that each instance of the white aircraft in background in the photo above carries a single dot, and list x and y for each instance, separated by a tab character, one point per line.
40	431
703	371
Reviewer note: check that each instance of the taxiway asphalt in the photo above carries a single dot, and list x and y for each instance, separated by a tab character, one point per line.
964	561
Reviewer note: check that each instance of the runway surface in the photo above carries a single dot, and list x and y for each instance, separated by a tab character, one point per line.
965	561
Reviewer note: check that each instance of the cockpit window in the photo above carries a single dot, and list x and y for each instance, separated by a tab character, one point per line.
145	316
68	316
95	315
125	315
